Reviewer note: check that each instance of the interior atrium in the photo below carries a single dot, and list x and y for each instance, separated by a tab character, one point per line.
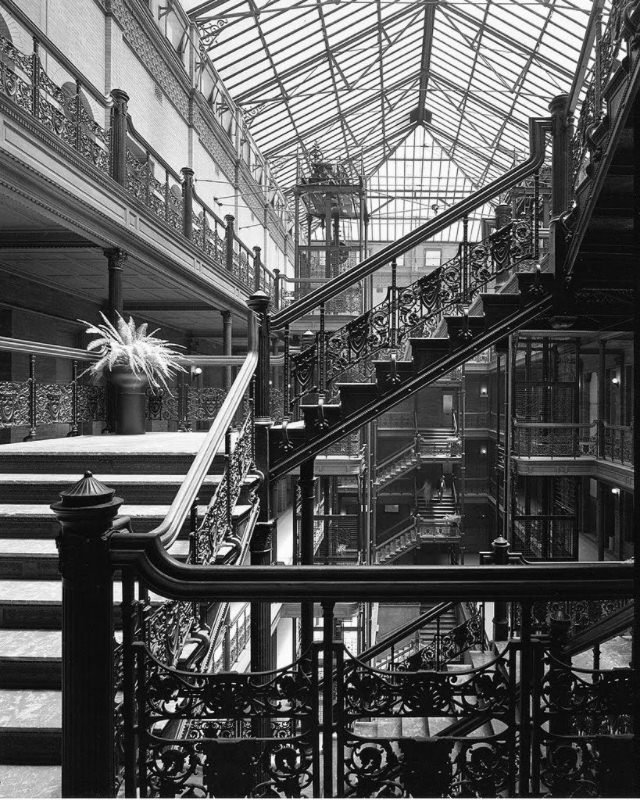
317	396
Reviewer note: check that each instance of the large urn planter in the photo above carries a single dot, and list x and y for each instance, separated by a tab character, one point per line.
131	360
131	397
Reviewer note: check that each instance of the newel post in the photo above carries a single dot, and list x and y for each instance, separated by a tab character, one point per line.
187	202
257	269
85	513
119	136
500	547
259	302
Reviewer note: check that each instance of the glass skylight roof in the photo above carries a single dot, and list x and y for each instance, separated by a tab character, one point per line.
428	99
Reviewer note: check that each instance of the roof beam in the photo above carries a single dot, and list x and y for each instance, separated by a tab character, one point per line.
425	60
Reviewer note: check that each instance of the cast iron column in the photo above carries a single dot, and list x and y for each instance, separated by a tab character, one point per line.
86	512
116	259
307	484
260	546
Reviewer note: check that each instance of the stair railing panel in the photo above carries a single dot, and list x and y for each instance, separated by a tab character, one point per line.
415	310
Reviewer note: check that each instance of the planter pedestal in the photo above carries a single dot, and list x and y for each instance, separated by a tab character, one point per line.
130	401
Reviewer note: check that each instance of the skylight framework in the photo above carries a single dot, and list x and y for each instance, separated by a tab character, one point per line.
428	99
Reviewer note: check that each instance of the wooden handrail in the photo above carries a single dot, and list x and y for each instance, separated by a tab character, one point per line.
538	128
167	576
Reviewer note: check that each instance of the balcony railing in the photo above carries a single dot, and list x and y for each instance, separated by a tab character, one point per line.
548	538
617	443
34	402
554	439
69	111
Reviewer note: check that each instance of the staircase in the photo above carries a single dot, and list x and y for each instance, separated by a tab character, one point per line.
438	443
396	466
438	508
358	403
146	471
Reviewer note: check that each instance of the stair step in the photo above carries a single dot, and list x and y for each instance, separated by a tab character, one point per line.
427	351
461	328
24	745
30	726
34	488
30	659
151	453
29	781
37	521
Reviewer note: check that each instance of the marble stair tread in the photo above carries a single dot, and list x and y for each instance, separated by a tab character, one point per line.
66	481
158	443
29	781
30	644
437	724
33	708
40	547
35	591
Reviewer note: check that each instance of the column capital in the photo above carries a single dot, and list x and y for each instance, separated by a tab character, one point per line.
116	257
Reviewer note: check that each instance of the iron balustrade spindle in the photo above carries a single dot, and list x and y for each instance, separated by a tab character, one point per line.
32	400
74	399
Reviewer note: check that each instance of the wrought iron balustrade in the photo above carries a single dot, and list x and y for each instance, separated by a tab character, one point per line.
415	310
554	439
65	111
216	530
579	615
237	734
617	442
606	49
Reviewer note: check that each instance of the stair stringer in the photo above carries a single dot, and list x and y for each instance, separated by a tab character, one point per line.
512	323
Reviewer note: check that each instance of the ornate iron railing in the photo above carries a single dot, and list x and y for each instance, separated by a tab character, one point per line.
579	615
606	48
554	439
547	538
64	112
216	528
617	442
413	311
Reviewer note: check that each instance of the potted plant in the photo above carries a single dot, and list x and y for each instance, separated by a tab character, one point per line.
131	359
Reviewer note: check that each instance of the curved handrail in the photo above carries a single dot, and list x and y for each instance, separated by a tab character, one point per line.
538	127
170	526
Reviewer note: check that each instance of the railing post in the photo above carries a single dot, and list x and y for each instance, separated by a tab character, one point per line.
257	270
187	202
500	547
307	484
560	161
259	302
74	399
276	288
85	513
35	79
327	698
33	421
119	136
228	241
